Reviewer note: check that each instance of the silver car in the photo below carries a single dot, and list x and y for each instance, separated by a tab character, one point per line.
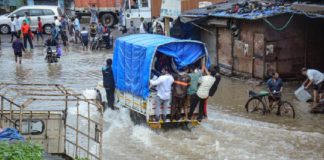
46	13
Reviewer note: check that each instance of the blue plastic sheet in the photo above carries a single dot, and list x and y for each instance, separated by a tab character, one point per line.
133	56
9	134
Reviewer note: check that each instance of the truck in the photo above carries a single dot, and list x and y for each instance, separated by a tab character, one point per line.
108	10
124	11
136	59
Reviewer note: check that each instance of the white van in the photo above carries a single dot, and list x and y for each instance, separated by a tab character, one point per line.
46	13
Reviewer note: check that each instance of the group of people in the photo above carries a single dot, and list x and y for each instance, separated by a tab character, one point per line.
61	29
315	79
154	27
20	31
183	90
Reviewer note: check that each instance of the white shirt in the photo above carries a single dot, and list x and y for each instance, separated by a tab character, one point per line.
163	86
13	26
57	23
314	75
18	25
206	82
142	29
155	23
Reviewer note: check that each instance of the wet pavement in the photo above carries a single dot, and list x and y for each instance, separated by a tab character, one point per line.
229	132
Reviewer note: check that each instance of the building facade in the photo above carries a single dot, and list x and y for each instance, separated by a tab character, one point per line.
258	44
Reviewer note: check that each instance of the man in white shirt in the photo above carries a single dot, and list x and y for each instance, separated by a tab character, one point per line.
163	86
315	78
158	26
57	22
18	25
206	82
143	26
13	28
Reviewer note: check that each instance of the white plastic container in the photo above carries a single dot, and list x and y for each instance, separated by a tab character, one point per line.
302	95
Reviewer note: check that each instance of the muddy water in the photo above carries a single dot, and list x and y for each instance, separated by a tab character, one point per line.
229	132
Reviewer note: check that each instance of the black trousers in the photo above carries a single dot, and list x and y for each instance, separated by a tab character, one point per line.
13	35
27	37
194	101
110	93
177	105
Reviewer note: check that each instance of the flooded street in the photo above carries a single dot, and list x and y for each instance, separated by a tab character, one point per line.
229	133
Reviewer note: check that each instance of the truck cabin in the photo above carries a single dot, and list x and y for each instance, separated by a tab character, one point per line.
66	124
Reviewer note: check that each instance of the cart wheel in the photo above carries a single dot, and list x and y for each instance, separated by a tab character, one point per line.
255	105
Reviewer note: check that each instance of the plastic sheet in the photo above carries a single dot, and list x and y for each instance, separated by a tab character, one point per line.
133	56
9	134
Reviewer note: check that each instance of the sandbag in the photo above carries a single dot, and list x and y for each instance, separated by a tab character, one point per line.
302	95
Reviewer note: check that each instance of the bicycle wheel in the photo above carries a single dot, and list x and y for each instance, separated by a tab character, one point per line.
286	109
255	105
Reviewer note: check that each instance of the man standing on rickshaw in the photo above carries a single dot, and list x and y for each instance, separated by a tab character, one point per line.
275	89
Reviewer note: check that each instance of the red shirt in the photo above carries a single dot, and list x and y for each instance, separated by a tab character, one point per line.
40	26
25	28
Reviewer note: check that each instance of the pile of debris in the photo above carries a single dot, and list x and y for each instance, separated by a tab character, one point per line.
253	6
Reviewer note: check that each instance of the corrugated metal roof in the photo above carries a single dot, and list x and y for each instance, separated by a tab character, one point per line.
258	14
267	9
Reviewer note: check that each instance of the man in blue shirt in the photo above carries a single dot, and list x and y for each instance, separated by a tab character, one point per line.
109	83
275	89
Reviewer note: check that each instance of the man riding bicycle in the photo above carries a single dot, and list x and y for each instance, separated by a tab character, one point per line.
275	88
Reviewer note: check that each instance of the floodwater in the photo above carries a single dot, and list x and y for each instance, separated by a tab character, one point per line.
229	133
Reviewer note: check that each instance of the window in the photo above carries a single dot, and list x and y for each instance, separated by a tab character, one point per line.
48	12
145	3
35	12
20	13
31	126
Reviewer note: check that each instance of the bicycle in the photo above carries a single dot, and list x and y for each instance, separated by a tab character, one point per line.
258	103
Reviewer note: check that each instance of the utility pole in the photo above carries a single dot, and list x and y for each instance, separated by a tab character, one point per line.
167	26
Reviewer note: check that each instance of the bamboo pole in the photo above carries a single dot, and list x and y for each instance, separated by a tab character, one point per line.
167	26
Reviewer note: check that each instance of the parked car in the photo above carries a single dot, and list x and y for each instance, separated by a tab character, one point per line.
46	13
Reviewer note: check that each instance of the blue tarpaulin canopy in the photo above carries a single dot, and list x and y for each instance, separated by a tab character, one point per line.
133	56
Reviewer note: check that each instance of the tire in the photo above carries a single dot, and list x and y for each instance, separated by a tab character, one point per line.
4	29
110	18
47	29
137	118
286	109
255	104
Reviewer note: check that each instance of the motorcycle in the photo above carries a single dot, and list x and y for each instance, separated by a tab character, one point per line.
51	54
